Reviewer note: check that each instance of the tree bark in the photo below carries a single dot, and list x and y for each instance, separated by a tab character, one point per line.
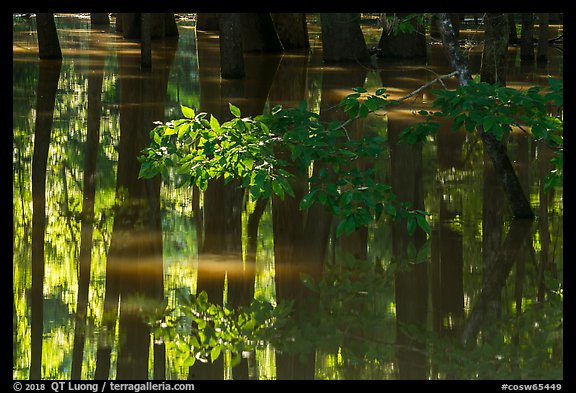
527	37
542	53
519	203
99	18
493	68
259	33
292	30
342	38
146	44
513	34
231	50
403	45
48	43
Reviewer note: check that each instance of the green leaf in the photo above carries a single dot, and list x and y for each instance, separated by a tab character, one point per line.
411	224
423	223
214	124
234	110
189	113
307	200
214	353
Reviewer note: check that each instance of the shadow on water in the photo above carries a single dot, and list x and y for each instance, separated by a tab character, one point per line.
474	300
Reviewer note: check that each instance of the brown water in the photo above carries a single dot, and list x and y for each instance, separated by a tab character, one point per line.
95	248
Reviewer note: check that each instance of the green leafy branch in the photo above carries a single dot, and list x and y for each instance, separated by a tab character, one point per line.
198	148
496	109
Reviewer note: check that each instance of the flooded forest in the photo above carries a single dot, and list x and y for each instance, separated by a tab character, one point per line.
119	273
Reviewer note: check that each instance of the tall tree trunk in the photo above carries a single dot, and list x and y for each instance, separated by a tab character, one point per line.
542	53
402	45
527	37
48	43
493	68
206	21
519	203
146	41
259	33
513	34
342	38
99	18
292	30
231	51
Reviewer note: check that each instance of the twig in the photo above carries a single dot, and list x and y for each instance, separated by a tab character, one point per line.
439	79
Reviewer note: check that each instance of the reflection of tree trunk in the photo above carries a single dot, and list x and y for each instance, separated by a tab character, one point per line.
496	277
95	79
134	272
411	284
48	43
49	73
220	254
447	275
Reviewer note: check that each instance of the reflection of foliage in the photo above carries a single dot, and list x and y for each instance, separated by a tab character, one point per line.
525	346
203	331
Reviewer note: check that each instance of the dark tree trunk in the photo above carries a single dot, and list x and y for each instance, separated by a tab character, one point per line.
99	18
342	38
516	197
161	25
513	34
48	43
259	33
527	37
542	54
49	75
493	69
206	21
402	45
146	42
292	30
231	51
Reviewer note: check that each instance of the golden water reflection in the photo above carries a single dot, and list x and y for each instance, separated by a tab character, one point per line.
95	248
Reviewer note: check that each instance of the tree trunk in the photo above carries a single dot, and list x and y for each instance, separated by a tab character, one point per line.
403	45
493	68
99	18
527	37
48	43
146	44
259	33
292	30
513	34
206	21
231	52
495	148
342	38
542	54
161	25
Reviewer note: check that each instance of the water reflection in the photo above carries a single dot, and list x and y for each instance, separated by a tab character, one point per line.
377	304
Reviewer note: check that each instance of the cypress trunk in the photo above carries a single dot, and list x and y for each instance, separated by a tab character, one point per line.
48	43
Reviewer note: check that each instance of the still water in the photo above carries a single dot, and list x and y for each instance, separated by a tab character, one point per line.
106	265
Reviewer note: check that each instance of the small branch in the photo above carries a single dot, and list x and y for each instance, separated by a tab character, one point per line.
439	79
